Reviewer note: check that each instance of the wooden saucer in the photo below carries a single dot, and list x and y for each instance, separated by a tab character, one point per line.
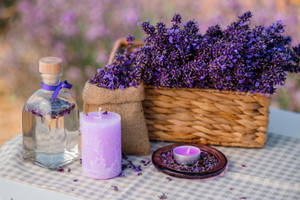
217	170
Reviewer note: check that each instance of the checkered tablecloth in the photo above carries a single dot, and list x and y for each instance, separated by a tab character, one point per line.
269	173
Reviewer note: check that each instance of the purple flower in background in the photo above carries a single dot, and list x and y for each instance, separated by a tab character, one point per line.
59	49
290	85
68	24
24	6
74	73
296	98
68	18
89	71
131	16
102	57
94	32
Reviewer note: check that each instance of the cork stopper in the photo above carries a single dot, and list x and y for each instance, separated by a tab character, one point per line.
50	65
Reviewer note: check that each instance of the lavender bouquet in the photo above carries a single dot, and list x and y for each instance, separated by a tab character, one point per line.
238	58
176	59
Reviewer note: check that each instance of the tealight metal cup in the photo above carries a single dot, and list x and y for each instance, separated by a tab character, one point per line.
183	155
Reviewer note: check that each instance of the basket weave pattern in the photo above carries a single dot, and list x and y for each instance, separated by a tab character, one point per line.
206	116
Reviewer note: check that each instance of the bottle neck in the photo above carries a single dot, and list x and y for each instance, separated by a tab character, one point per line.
51	79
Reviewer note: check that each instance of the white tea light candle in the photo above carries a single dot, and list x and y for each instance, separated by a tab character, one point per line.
186	154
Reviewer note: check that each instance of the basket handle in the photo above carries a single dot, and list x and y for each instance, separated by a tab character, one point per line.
122	44
117	45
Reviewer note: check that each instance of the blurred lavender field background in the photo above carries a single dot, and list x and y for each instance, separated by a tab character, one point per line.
83	35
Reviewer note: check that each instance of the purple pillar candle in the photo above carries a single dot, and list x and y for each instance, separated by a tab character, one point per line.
186	154
101	144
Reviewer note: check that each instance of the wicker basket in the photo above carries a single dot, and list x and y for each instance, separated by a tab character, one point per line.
204	116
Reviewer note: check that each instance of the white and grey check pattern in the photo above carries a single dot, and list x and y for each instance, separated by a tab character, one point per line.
269	173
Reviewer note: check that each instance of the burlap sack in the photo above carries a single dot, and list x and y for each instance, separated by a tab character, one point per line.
128	103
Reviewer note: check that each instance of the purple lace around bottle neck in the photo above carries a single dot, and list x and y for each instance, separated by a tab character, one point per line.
56	88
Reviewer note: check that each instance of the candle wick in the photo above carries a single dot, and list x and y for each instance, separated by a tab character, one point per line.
188	150
100	113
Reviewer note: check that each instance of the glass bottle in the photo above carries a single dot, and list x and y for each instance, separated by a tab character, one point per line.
50	120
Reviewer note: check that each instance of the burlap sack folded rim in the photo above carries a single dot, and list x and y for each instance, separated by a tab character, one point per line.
91	94
128	103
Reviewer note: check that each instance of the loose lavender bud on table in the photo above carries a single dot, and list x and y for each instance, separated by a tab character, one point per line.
105	113
163	196
169	178
115	188
122	174
138	168
60	169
